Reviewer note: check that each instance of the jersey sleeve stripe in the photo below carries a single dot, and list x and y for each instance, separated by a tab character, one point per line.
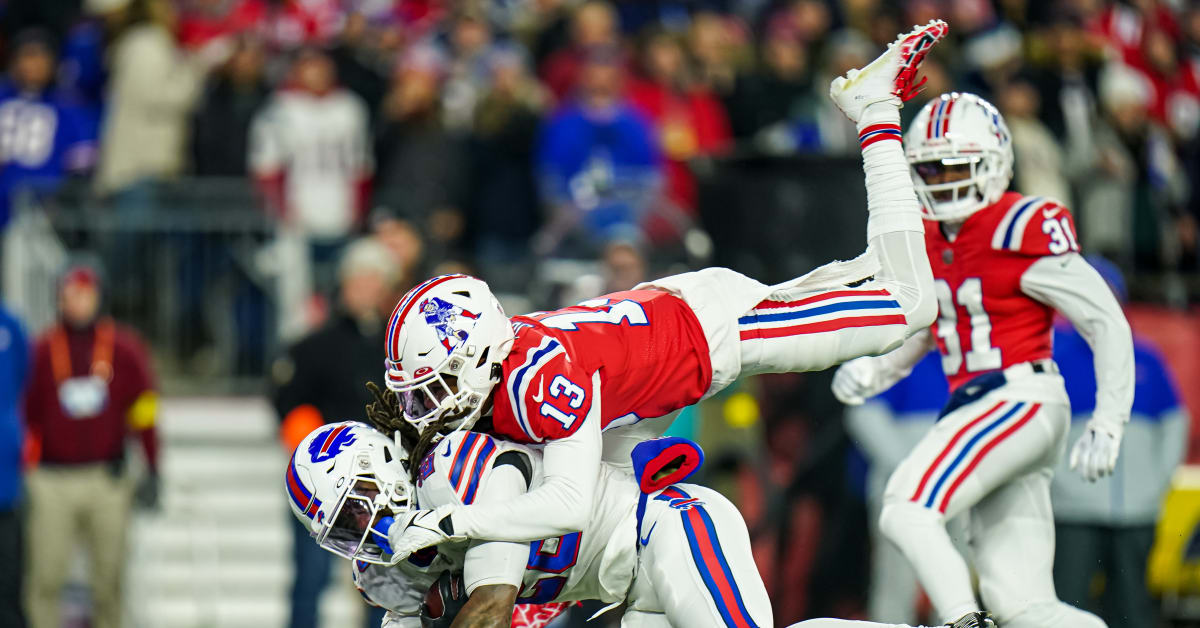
460	458
1013	224
710	561
481	463
984	452
536	357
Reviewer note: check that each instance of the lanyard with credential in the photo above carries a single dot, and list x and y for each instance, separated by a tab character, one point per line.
102	353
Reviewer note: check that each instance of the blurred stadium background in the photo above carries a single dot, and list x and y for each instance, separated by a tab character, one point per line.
214	163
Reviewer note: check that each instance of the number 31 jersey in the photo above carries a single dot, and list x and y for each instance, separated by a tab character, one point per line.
647	345
985	321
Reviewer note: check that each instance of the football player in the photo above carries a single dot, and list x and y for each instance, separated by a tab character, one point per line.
1003	264
453	355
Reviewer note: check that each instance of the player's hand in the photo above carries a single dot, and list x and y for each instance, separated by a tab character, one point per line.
854	381
444	601
421	529
1095	453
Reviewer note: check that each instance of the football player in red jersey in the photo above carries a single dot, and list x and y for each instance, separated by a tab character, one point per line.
1003	263
612	364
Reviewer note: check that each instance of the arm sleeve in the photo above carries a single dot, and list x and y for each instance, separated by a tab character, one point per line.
497	562
1070	285
560	504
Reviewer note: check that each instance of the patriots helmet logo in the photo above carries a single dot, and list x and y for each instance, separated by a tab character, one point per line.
331	443
448	319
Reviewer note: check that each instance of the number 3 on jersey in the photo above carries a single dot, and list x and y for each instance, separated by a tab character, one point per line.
564	389
982	356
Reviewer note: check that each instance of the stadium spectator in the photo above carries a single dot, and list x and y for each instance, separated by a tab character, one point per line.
311	389
598	161
715	43
885	429
14	371
91	387
420	161
309	151
776	105
1107	528
221	127
1038	156
152	88
363	56
202	21
689	121
468	71
44	135
593	25
502	203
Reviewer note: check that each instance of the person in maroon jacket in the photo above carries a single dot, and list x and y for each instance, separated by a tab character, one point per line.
90	388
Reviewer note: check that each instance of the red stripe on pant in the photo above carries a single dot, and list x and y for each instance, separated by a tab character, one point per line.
768	304
929	472
714	569
824	326
983	452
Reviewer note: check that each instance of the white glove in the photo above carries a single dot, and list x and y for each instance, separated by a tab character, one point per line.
421	529
855	380
1095	453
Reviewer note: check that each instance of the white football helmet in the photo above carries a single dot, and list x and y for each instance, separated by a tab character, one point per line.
445	342
344	482
959	130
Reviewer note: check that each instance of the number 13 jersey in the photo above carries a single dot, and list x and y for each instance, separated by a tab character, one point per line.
647	345
986	322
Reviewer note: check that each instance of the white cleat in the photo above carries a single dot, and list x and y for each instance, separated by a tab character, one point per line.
892	76
974	620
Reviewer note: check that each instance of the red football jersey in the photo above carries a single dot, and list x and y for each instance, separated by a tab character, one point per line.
647	345
985	322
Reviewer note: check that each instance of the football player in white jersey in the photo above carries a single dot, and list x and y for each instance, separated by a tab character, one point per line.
1003	265
676	554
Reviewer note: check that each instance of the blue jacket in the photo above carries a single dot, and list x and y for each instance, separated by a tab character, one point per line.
14	369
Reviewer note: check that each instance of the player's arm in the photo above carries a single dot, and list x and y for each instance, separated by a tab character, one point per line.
557	506
1070	285
488	607
865	377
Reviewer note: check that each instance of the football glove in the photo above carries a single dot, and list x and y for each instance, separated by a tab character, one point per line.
855	381
421	529
444	601
1095	453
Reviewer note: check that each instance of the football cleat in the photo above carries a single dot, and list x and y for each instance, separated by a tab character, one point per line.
892	76
974	620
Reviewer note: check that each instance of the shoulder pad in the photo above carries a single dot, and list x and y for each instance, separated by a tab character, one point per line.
545	395
1037	226
452	471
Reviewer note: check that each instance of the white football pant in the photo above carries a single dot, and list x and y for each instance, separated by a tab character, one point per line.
993	459
695	567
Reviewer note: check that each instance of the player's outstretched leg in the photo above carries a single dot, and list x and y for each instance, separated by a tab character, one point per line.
799	328
970	620
695	565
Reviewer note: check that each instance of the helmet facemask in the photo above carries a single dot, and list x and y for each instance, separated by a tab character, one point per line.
954	198
357	525
445	394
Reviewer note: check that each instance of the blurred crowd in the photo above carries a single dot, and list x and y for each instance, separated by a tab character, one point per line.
503	131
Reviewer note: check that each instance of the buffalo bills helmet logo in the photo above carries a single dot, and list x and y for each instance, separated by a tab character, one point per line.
447	319
331	443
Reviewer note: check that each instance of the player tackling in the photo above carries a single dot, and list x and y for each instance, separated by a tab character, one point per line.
453	355
1003	264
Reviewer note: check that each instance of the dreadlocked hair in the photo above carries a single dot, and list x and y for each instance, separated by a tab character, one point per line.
385	415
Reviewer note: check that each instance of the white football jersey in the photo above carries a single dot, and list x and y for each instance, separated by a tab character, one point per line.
401	589
321	146
596	563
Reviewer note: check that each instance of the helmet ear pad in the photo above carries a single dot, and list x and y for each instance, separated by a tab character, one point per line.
959	128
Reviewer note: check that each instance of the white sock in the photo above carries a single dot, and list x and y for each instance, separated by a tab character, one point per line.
891	200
